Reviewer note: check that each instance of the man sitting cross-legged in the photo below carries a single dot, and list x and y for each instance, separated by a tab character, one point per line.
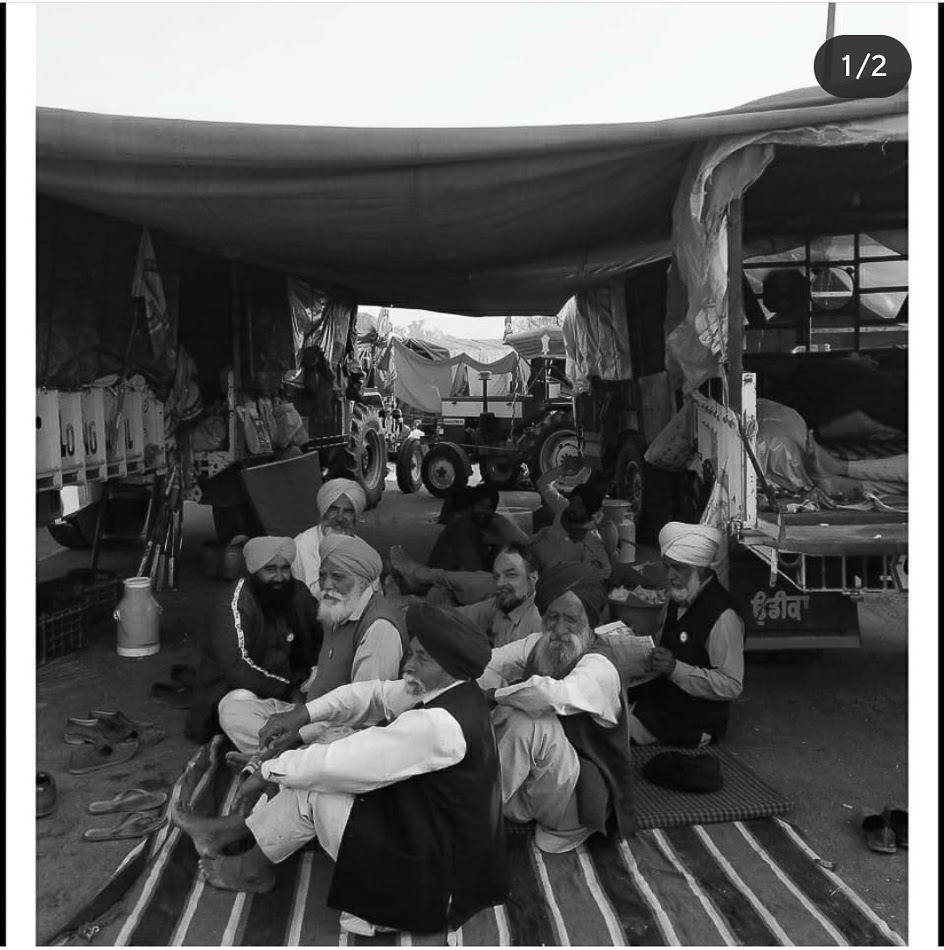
559	720
362	640
409	809
262	642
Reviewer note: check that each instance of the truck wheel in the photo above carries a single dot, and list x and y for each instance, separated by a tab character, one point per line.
410	466
629	483
67	533
500	471
553	439
364	459
125	516
443	471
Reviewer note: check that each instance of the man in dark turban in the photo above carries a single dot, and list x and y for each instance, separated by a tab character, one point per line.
409	808
263	641
560	719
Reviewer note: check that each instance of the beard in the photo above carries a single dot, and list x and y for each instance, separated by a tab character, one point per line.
334	610
275	598
685	594
553	655
414	686
329	529
507	599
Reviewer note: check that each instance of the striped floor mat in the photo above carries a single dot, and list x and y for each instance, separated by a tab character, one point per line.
753	882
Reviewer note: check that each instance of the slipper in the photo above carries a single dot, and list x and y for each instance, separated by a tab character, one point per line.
100	756
45	794
134	799
118	718
173	694
135	825
897	820
81	734
878	836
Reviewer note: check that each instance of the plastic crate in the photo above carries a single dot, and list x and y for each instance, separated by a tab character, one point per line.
60	632
100	590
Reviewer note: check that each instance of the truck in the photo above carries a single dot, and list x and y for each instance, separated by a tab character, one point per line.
784	283
239	377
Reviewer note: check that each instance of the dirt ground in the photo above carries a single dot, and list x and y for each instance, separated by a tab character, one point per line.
831	734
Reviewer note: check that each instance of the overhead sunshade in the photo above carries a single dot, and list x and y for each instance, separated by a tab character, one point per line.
472	221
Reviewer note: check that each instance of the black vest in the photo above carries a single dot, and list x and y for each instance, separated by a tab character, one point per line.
673	716
428	852
605	782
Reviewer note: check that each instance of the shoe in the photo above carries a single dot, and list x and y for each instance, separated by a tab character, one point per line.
81	734
897	820
45	794
136	825
118	718
100	756
878	835
363	928
134	799
173	694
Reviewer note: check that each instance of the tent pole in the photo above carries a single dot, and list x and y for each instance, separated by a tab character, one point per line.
830	20
735	303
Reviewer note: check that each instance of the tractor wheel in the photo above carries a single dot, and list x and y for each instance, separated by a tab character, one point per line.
500	471
410	466
365	458
443	471
629	483
552	440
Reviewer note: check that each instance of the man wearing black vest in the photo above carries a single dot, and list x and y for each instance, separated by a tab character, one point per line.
560	720
409	808
699	662
362	639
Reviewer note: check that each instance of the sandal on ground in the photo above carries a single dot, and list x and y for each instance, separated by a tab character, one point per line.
135	825
118	718
81	734
174	695
134	799
878	835
897	820
100	756
45	794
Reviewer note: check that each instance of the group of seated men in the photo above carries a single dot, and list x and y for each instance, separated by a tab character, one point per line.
399	731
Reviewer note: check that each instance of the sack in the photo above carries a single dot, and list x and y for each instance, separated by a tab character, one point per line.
289	427
781	446
684	773
674	446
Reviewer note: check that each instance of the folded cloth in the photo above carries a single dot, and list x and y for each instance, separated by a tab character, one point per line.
684	773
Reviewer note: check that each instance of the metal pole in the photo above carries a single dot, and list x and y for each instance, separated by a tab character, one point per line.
830	20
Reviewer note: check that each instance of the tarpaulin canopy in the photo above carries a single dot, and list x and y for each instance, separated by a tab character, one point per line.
469	221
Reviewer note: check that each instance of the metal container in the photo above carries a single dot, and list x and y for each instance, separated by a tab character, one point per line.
139	619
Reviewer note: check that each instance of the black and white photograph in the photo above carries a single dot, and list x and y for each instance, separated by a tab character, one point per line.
472	473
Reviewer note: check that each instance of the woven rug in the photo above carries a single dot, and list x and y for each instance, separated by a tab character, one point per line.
753	882
742	797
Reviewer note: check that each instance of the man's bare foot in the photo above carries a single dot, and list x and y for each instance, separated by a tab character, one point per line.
250	872
209	835
405	566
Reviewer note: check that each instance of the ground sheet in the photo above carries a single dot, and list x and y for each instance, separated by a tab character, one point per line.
750	881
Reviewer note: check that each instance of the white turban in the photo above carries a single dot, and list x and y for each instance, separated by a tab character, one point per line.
260	551
694	544
352	555
332	490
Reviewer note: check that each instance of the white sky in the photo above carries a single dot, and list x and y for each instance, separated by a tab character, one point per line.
433	64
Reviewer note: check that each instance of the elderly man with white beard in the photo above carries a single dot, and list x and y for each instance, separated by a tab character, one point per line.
340	501
363	637
699	660
408	806
560	720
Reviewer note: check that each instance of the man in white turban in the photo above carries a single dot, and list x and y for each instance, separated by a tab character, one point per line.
341	501
263	639
698	665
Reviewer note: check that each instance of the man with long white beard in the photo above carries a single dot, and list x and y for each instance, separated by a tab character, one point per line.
559	719
263	638
407	807
362	638
340	501
699	660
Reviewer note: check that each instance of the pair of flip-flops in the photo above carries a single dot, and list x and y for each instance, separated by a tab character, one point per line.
887	832
137	806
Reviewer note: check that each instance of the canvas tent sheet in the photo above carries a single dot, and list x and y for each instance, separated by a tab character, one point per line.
470	221
422	384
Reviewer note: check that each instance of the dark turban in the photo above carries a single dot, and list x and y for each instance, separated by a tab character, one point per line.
579	580
591	495
451	639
